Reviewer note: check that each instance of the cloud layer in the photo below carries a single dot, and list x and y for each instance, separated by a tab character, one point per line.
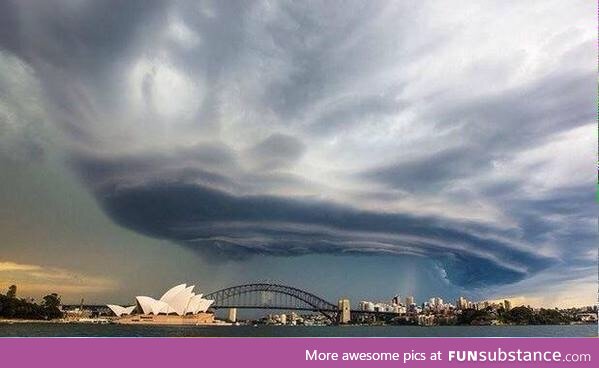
36	279
403	128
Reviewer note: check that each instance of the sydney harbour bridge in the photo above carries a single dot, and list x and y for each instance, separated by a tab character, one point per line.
283	297
272	296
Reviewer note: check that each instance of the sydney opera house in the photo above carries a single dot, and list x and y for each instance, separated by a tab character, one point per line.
179	305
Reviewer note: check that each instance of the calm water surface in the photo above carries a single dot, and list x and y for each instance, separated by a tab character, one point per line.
87	330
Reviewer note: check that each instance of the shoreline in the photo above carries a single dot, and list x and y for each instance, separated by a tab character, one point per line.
13	321
221	324
104	322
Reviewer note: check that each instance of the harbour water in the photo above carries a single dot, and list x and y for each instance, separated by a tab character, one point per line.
115	330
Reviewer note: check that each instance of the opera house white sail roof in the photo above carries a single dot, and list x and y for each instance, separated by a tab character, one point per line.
119	311
180	300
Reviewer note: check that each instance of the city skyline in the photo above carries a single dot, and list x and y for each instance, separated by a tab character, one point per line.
356	149
397	299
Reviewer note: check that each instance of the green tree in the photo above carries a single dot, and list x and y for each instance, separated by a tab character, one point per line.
521	315
551	317
475	317
51	306
11	307
12	292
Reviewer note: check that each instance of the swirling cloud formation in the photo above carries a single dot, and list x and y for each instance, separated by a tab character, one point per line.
463	134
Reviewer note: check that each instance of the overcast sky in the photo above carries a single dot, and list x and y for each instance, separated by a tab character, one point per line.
359	148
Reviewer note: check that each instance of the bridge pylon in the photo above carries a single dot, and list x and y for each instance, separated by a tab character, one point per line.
344	315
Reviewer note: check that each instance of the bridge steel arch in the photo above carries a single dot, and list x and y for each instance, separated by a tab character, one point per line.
272	296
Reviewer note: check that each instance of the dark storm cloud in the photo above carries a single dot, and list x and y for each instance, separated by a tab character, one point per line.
520	117
495	126
564	218
290	128
75	44
431	172
219	223
333	49
9	25
178	166
82	37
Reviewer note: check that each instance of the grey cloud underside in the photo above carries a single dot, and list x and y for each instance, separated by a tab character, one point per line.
220	224
158	198
431	172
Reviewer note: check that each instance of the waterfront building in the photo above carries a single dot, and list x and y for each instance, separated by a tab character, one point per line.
294	318
400	309
77	314
384	307
410	300
276	319
588	317
366	306
426	320
178	301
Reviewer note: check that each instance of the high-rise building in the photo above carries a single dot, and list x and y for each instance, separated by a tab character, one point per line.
344	311
399	309
435	302
507	305
462	303
396	300
367	306
410	300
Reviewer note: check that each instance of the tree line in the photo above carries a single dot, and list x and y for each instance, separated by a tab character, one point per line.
516	316
21	308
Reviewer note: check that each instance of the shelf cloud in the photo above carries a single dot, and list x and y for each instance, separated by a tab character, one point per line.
358	128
